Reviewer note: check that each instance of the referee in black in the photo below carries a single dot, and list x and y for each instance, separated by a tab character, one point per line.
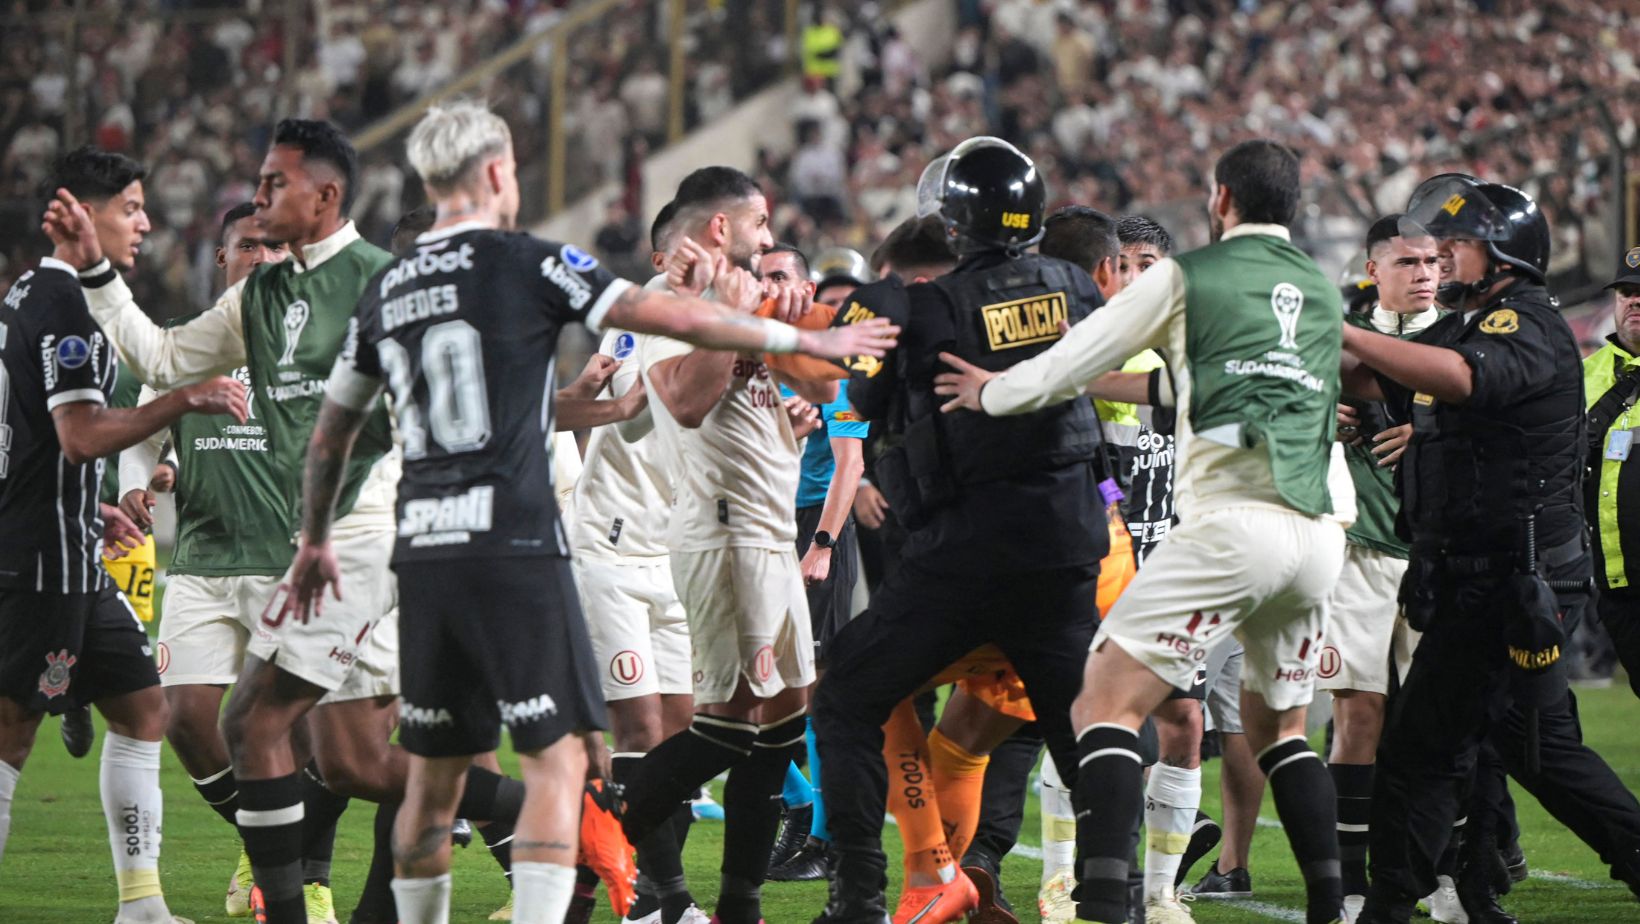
1500	567
1006	530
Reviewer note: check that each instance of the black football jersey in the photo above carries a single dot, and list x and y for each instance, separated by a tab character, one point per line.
463	332
51	353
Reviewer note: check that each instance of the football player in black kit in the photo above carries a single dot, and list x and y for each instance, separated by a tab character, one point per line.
461	330
68	638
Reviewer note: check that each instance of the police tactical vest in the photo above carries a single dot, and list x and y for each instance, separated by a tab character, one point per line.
997	316
1611	487
1471	474
1262	333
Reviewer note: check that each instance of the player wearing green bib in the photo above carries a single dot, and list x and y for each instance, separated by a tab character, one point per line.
1263	496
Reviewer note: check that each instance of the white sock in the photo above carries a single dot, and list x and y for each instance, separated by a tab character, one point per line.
134	807
1058	823
8	789
541	892
1171	800
423	901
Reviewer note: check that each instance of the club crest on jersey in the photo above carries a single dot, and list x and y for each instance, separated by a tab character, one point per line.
73	352
577	259
296	318
54	680
624	345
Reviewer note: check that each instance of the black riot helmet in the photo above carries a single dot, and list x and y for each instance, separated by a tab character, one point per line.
1459	207
989	193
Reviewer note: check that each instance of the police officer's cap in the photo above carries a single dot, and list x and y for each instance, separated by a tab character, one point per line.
1628	271
990	194
1508	220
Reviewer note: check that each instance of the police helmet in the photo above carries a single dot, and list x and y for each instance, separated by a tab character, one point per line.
1508	220
839	265
989	193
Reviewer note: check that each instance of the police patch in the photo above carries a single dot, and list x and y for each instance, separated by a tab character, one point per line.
72	352
1024	321
1632	258
577	259
1502	321
624	344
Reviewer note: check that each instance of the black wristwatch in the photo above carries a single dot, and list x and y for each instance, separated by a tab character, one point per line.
824	540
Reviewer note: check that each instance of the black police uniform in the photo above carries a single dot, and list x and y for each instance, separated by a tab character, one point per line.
1005	529
1472	472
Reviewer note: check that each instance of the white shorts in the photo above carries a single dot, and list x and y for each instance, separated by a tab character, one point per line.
1259	573
352	647
206	624
748	617
639	632
1362	613
1224	687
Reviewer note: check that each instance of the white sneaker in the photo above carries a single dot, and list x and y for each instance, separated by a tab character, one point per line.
693	915
653	917
1352	907
1444	905
1168	909
1054	901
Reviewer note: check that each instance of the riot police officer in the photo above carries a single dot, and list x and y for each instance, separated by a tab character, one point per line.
1005	527
1500	567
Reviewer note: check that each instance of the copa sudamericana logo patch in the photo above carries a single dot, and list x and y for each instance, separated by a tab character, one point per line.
1502	321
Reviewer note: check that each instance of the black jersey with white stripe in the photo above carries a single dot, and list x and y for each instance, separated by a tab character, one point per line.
51	354
463	331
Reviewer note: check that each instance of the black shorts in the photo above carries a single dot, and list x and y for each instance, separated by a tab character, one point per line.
831	602
491	642
1198	687
59	652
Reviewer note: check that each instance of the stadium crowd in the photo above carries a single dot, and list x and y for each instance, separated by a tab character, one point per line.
1117	100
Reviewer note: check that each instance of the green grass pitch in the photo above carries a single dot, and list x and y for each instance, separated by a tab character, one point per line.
57	866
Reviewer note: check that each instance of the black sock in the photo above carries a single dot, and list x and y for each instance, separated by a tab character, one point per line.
1353	783
489	796
674	770
1308	808
751	818
1109	799
376	905
270	823
682	820
498	836
660	859
321	809
221	793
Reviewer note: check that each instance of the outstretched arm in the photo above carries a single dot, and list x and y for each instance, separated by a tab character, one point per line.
1436	371
1136	319
87	430
211	344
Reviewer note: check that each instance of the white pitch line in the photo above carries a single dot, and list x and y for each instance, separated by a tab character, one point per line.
1273	912
1567	880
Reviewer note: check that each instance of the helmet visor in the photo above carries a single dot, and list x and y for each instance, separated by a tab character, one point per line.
1454	210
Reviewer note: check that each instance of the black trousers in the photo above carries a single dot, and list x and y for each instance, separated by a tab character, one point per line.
1619	612
922	619
1455	696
